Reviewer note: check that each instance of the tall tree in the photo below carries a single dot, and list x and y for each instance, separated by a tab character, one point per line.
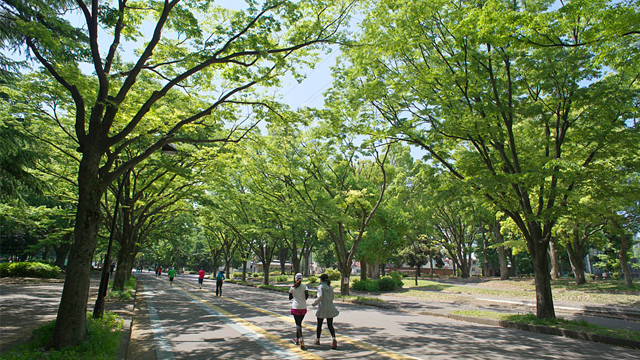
512	98
224	54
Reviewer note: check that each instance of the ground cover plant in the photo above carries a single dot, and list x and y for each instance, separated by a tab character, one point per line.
29	269
102	342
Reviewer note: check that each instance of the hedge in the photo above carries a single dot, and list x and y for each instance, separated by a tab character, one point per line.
28	269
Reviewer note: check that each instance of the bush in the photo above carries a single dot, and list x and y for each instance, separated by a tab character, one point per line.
366	285
312	279
397	277
236	275
28	269
387	283
255	275
334	275
281	278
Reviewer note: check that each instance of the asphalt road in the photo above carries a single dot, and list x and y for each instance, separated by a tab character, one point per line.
185	322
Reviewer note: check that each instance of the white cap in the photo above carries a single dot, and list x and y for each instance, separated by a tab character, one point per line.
298	276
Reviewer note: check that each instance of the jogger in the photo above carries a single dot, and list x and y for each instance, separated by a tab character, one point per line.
326	309
299	294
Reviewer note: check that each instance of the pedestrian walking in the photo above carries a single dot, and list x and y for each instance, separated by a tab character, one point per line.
172	274
219	280
326	309
201	277
113	267
299	294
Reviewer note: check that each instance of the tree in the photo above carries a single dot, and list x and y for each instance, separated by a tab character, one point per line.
244	48
511	98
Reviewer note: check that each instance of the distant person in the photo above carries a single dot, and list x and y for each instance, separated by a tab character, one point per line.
326	309
172	274
219	280
299	294
201	274
112	268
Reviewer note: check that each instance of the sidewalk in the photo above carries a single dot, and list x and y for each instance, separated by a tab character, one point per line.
26	304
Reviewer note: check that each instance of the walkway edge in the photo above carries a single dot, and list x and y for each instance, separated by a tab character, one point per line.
125	333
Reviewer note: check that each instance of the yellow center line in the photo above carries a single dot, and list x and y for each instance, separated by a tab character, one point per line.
359	343
249	325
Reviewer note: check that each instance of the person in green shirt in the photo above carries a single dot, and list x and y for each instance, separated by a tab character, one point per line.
172	274
219	281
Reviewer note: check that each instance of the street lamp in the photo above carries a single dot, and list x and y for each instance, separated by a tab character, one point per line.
98	309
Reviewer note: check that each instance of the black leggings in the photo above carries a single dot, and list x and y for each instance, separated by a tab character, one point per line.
329	325
298	319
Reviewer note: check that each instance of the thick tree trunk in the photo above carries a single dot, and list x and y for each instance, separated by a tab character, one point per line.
555	262
283	260
127	252
622	256
345	271
70	328
575	250
376	270
502	256
544	298
61	254
363	269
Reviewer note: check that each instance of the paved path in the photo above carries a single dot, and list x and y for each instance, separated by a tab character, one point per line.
184	322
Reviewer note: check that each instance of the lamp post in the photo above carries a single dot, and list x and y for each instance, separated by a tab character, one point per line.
98	309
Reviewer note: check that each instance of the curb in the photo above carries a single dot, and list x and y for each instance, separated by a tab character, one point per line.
125	334
609	340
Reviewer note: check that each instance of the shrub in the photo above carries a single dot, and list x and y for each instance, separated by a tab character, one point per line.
281	278
387	283
312	279
366	285
28	269
397	277
334	275
255	275
236	275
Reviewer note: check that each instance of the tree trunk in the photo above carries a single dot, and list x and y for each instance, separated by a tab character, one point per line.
485	261
70	328
622	256
283	260
127	252
376	270
417	271
575	250
61	254
555	262
345	271
544	298
363	269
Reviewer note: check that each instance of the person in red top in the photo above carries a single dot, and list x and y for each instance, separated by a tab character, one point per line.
201	277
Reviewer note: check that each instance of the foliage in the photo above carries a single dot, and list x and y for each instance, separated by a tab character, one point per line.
102	342
123	295
366	285
312	279
334	275
29	269
281	278
397	277
387	283
236	275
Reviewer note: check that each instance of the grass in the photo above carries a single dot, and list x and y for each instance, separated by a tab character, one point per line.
602	292
123	295
558	322
102	342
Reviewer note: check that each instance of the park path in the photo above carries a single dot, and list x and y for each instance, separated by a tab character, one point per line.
184	322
